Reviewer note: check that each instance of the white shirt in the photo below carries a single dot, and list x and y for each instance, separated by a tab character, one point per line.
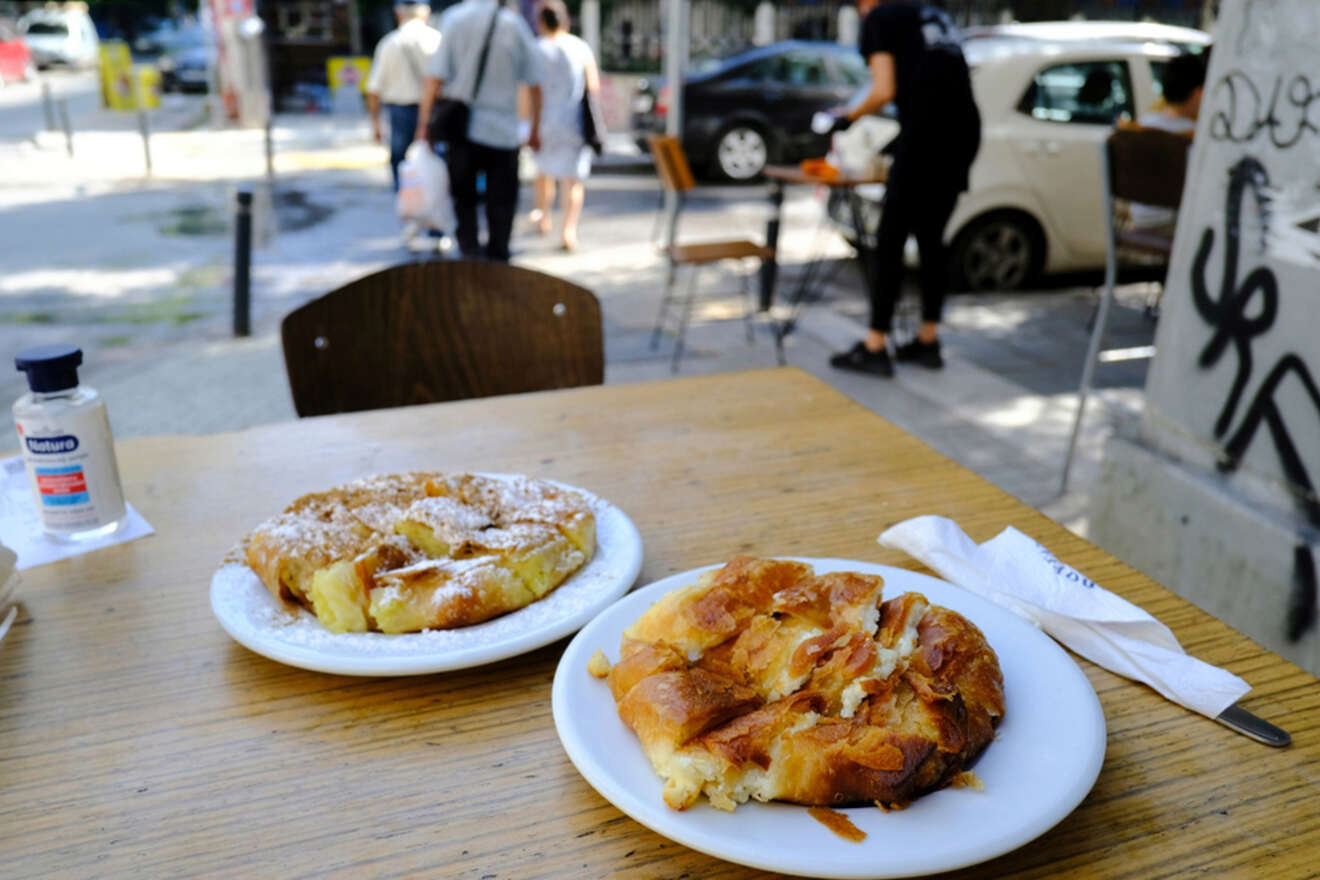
513	58
400	63
1167	122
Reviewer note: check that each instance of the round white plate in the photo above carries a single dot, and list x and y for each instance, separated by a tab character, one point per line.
1045	757
294	636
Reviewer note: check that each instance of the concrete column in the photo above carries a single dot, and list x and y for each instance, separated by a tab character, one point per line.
1219	496
676	55
763	24
849	25
590	25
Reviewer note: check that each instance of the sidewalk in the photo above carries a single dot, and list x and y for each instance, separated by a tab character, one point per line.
152	308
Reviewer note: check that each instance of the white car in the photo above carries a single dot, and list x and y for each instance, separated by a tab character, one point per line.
61	36
1049	95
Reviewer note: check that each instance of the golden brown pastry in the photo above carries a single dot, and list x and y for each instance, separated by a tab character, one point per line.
764	680
407	552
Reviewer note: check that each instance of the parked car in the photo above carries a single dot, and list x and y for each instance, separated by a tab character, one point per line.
185	59
16	62
1049	95
60	36
755	108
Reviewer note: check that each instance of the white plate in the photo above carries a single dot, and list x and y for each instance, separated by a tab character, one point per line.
251	615
1045	757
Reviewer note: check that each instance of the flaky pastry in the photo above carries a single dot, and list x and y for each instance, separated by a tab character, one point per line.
765	680
408	552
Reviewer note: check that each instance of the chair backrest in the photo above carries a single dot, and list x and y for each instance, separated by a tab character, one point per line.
1147	165
441	330
671	163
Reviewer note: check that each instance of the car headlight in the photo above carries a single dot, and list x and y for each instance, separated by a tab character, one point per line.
643	103
166	64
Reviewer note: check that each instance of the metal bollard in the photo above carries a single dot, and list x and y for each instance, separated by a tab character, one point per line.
144	126
66	125
243	264
47	106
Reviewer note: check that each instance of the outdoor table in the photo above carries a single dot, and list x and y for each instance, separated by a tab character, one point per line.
137	739
779	175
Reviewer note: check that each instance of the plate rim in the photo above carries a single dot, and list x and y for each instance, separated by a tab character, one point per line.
575	656
631	552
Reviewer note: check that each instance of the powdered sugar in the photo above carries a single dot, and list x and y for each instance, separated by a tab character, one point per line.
293	635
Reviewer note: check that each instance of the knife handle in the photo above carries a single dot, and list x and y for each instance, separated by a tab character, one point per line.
1239	719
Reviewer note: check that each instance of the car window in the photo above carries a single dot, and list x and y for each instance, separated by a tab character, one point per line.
1090	92
851	69
47	28
791	69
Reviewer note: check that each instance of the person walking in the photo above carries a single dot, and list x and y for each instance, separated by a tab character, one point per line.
477	30
569	73
398	70
914	53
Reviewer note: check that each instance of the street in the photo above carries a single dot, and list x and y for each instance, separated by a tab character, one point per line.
138	271
21	112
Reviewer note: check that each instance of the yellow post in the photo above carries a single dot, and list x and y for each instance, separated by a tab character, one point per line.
146	86
117	76
347	76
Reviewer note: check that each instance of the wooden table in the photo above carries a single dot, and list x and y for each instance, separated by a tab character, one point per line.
779	175
136	739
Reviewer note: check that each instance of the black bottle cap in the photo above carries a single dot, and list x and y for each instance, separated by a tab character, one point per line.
50	367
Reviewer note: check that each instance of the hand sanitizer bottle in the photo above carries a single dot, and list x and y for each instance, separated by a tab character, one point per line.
70	456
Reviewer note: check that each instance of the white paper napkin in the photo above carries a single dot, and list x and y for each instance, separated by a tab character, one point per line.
20	525
8	585
1018	573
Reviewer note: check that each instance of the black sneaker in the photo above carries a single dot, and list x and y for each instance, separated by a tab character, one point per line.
927	354
859	359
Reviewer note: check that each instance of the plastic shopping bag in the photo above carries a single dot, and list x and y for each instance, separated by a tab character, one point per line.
424	189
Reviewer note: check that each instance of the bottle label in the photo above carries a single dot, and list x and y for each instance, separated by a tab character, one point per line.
71	466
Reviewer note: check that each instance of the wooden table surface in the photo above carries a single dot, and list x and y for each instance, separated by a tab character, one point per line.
137	739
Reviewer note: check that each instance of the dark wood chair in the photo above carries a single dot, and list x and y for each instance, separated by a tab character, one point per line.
1147	166
441	330
676	176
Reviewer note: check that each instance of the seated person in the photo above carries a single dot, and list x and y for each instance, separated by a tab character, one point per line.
1184	81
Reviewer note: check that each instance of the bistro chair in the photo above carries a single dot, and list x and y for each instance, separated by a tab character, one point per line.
1146	166
676	176
441	330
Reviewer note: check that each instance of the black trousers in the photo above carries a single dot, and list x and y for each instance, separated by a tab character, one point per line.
466	161
919	204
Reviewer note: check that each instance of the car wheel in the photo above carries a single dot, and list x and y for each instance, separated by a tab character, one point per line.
742	152
997	252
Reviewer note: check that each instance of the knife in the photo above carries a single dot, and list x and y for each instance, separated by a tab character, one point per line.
1239	719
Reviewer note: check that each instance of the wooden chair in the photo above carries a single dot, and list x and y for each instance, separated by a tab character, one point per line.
676	176
441	330
1146	166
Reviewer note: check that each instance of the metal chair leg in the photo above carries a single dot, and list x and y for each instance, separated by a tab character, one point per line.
1100	319
664	306
683	318
748	307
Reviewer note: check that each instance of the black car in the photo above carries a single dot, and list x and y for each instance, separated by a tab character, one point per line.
755	108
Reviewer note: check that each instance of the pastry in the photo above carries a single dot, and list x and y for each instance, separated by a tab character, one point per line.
408	552
765	680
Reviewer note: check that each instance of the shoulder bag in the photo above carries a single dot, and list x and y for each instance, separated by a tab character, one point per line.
449	116
593	122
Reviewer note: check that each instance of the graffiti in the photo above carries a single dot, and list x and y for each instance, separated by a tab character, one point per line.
1243	109
1236	324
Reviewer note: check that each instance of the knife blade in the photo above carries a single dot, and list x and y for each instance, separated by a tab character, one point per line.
1239	719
